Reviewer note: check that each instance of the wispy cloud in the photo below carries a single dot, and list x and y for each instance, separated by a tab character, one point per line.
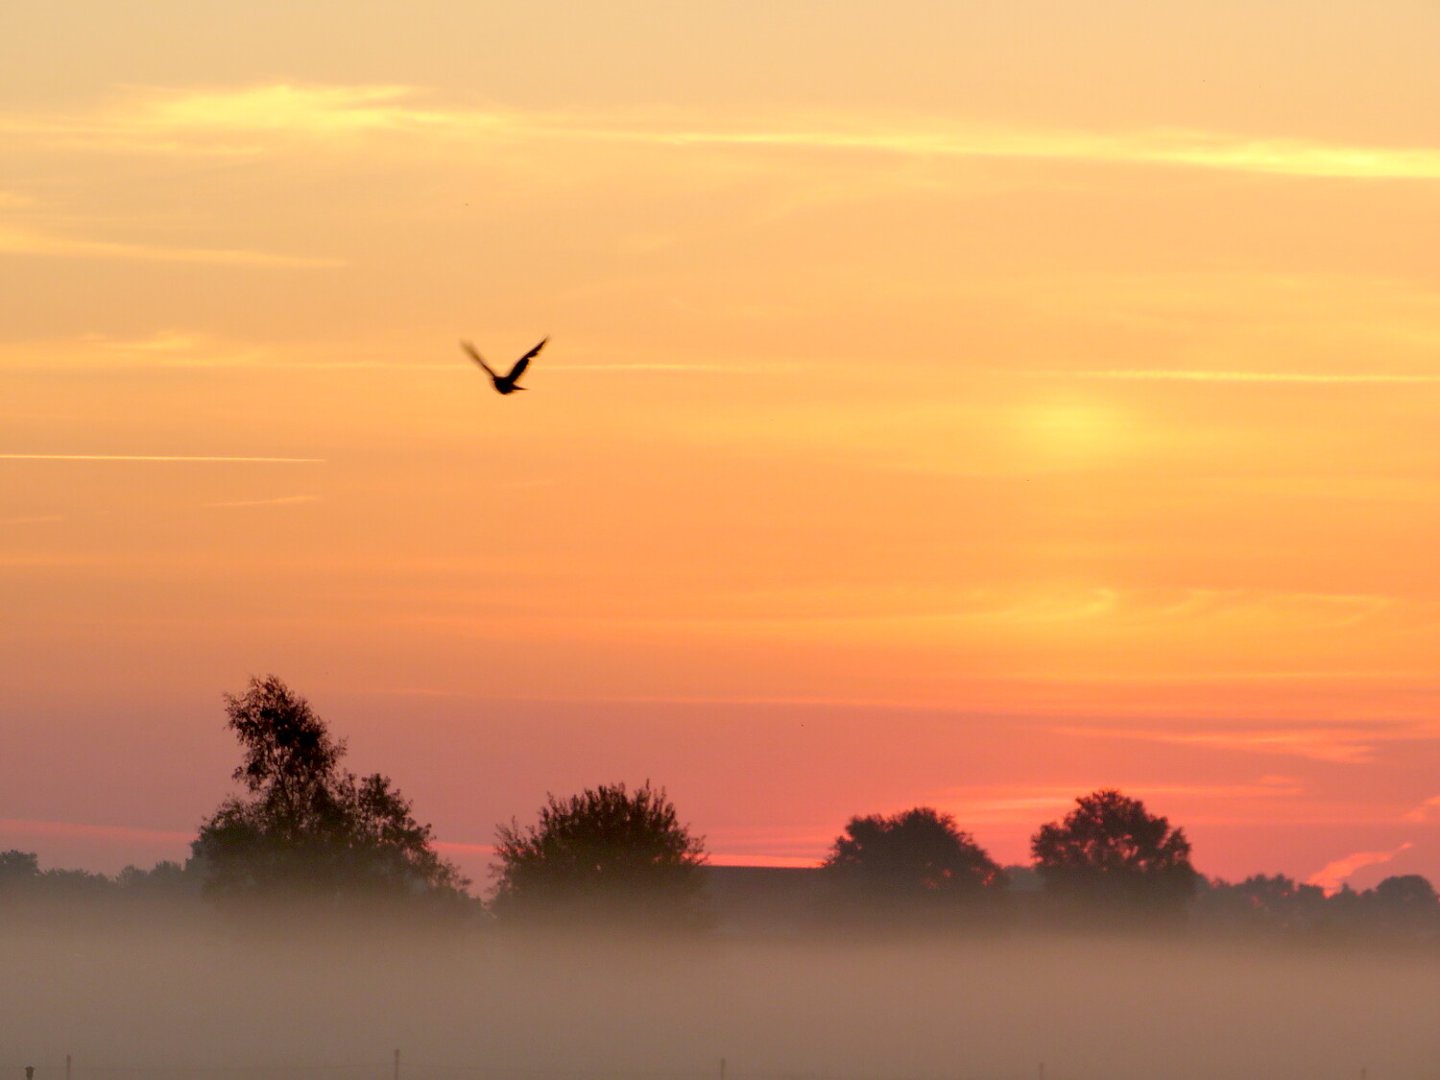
38	519
1334	874
459	847
242	119
1344	746
1196	149
993	805
165	458
699	367
15	241
162	349
179	347
1428	809
283	500
1200	375
310	110
30	828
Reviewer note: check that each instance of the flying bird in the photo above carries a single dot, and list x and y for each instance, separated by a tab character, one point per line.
505	384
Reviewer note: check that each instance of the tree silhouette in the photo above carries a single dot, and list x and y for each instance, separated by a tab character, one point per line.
1407	892
913	865
1263	902
18	867
1405	904
307	829
1110	853
607	856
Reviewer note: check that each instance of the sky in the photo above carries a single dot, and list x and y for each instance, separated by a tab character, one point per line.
958	404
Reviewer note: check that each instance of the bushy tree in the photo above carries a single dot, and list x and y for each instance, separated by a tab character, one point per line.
1262	902
1111	855
606	857
18	867
913	865
306	829
1405	905
1407	893
54	894
166	879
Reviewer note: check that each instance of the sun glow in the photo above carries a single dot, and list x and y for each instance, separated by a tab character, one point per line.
1072	432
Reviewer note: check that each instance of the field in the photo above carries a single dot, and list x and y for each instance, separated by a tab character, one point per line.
181	1003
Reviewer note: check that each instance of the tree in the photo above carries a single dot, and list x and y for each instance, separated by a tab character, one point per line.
1262	902
607	856
18	867
917	864
1110	853
1406	905
306	829
1407	893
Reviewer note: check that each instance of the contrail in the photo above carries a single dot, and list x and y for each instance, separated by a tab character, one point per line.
1202	375
283	500
162	457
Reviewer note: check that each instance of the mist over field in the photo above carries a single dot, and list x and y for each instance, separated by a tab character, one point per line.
189	1001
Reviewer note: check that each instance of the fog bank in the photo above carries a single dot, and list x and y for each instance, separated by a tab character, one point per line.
196	1002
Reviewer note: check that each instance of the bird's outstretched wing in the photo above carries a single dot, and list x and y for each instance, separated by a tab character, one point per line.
524	361
477	357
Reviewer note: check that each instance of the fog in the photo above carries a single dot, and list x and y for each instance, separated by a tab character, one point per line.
195	1000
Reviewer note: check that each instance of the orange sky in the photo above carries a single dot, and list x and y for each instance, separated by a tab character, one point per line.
949	403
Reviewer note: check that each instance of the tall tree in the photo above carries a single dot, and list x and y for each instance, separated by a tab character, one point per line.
306	828
1111	853
608	856
913	865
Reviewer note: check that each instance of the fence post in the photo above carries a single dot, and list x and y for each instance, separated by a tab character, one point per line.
722	1069
67	1067
397	1065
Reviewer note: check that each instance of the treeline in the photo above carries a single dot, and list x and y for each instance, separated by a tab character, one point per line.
305	837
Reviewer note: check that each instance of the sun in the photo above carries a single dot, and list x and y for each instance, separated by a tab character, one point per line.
1074	432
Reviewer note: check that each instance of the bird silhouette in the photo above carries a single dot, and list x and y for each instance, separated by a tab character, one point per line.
505	384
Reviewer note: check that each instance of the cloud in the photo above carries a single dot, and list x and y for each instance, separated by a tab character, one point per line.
1197	375
39	828
308	110
27	561
1422	813
457	847
1341	746
700	367
283	500
1197	149
1334	874
165	348
179	347
204	458
242	120
24	242
999	805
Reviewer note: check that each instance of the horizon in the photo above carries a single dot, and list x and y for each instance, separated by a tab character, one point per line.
108	848
972	408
